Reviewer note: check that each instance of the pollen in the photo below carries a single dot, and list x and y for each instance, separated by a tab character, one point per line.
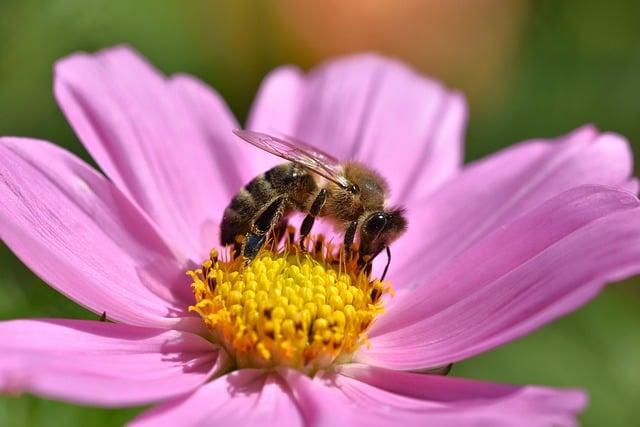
304	309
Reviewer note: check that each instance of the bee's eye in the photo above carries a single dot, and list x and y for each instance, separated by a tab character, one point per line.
375	224
353	189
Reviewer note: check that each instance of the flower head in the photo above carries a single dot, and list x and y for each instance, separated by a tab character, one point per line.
494	250
287	308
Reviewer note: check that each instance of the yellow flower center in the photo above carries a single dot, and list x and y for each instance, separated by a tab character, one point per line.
294	308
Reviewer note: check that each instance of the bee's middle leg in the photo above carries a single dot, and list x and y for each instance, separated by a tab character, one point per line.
315	209
279	231
263	224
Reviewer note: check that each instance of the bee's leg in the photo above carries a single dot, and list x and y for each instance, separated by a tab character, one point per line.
308	221
365	261
237	248
279	231
349	236
264	223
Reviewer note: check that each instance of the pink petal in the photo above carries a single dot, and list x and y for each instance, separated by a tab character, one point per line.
372	109
242	398
75	230
387	396
166	144
397	398
322	404
633	185
496	190
101	363
523	275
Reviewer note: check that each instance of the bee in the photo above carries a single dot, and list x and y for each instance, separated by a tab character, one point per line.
349	194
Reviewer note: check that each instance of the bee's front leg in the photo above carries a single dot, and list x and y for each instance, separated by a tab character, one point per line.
349	236
314	211
262	225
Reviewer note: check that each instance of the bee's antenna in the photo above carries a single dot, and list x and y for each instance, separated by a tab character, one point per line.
386	267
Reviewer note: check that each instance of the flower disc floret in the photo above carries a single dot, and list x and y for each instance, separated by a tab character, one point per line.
305	310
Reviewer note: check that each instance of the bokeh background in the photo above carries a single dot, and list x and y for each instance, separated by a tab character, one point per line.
528	68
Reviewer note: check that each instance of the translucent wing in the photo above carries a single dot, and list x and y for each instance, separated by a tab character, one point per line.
298	152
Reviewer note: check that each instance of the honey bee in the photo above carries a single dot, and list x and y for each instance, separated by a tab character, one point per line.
349	194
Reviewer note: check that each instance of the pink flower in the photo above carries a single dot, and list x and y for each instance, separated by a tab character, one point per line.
494	250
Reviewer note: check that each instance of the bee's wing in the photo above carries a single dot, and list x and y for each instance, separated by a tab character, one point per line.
298	152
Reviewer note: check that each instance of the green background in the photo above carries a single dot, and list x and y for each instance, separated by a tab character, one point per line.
574	62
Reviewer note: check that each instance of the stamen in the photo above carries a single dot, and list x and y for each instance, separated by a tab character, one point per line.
301	309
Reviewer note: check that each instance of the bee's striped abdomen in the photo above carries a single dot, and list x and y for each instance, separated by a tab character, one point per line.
286	180
243	208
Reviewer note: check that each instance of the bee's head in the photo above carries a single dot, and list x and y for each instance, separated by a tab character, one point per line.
367	184
379	229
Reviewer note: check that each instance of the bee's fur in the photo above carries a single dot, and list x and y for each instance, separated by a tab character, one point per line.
343	205
267	199
289	180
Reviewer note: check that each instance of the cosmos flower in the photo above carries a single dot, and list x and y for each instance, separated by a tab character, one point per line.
494	250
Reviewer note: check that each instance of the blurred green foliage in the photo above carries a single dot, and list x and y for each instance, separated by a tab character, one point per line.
578	62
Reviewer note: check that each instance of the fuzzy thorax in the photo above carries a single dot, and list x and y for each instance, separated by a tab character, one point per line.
305	310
